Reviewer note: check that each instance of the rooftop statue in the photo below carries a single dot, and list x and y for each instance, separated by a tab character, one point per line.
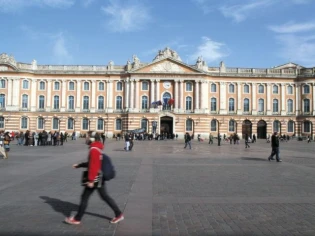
166	53
5	58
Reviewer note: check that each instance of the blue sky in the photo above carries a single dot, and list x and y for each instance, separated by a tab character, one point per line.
242	33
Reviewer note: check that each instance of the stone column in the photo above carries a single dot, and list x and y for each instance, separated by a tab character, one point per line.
283	110
239	98
181	99
158	95
223	98
254	99
132	92
137	95
48	100
268	100
297	99
78	105
204	96
33	94
110	93
313	101
10	92
127	94
63	95
93	107
196	97
152	94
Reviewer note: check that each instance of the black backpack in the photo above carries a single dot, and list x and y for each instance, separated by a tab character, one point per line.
107	168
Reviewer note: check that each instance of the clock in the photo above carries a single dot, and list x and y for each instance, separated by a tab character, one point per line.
167	84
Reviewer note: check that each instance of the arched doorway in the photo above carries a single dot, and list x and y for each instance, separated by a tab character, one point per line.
166	97
262	129
246	128
166	125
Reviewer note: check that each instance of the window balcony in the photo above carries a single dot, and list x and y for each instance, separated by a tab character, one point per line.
55	110
70	110
41	109
306	113
276	113
232	112
24	109
247	113
145	110
290	113
213	112
85	110
118	111
260	113
189	111
100	111
2	108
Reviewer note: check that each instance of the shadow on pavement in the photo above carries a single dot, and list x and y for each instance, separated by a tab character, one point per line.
67	207
254	159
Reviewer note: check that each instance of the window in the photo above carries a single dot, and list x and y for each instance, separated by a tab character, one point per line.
246	88
25	84
41	102
213	88
307	126
71	103
144	102
144	124
86	86
56	102
188	87
24	123
261	106
261	88
55	123
101	86
231	126
25	101
71	85
188	103
119	86
213	104
306	89
118	103
118	124
2	101
306	105
86	103
1	122
70	123
100	103
41	85
290	126
290	89
231	104
189	125
275	105
145	85
290	105
85	124
56	86
2	83
213	125
40	123
231	88
276	126
246	105
275	89
100	124
166	98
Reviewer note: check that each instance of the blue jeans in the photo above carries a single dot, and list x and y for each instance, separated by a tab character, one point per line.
188	142
275	151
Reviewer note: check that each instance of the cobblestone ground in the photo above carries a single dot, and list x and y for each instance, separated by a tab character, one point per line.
163	189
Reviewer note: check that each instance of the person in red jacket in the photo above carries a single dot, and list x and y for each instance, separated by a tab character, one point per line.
94	167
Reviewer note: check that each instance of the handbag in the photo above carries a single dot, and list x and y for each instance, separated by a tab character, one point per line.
85	180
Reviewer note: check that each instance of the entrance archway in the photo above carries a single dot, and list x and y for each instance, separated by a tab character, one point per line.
262	129
246	128
166	125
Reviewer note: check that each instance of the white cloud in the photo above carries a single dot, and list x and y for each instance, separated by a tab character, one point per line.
87	3
210	50
292	27
15	5
60	51
124	17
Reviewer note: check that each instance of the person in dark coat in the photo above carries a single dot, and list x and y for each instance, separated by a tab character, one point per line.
274	147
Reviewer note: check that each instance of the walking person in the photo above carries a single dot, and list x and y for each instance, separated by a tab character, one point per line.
308	139
210	138
254	138
246	141
274	148
127	142
94	167
6	144
187	140
219	139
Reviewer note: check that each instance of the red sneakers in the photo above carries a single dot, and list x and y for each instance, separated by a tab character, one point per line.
72	221
117	219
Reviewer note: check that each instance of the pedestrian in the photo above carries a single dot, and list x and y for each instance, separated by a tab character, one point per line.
187	139
6	144
210	138
246	141
254	138
274	148
308	139
219	139
94	166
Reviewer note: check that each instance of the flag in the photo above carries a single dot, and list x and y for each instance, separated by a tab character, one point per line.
170	102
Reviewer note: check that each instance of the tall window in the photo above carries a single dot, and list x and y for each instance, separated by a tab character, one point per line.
40	123
231	126
71	85
118	103
57	86
306	88
231	88
290	105
85	124
41	85
70	123
231	104
1	122
25	101
24	123
246	105
55	123
275	105
276	126
101	86
213	104
261	88
188	87
261	106
290	126
306	105
100	103
25	84
119	86
213	88
100	124
118	124
2	101
246	88
41	102
144	124
188	103
307	126
144	102
2	83
56	102
189	125
71	103
213	125
290	89
145	85
86	102
86	86
275	89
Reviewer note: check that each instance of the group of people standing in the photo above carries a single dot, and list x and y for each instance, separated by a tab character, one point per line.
42	138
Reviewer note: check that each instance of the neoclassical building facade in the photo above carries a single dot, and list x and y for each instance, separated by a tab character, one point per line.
165	95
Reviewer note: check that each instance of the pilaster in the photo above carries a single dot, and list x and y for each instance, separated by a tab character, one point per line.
283	110
297	99
63	96
222	107
268	100
181	99
33	95
137	95
152	95
313	99
127	93
239	98
78	103
253	102
93	96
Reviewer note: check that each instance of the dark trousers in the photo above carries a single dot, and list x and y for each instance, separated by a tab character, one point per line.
275	151
103	194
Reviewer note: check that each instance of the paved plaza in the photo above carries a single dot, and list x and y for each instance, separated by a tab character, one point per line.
163	189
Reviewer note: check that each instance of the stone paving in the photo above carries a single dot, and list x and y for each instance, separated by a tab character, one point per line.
163	189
